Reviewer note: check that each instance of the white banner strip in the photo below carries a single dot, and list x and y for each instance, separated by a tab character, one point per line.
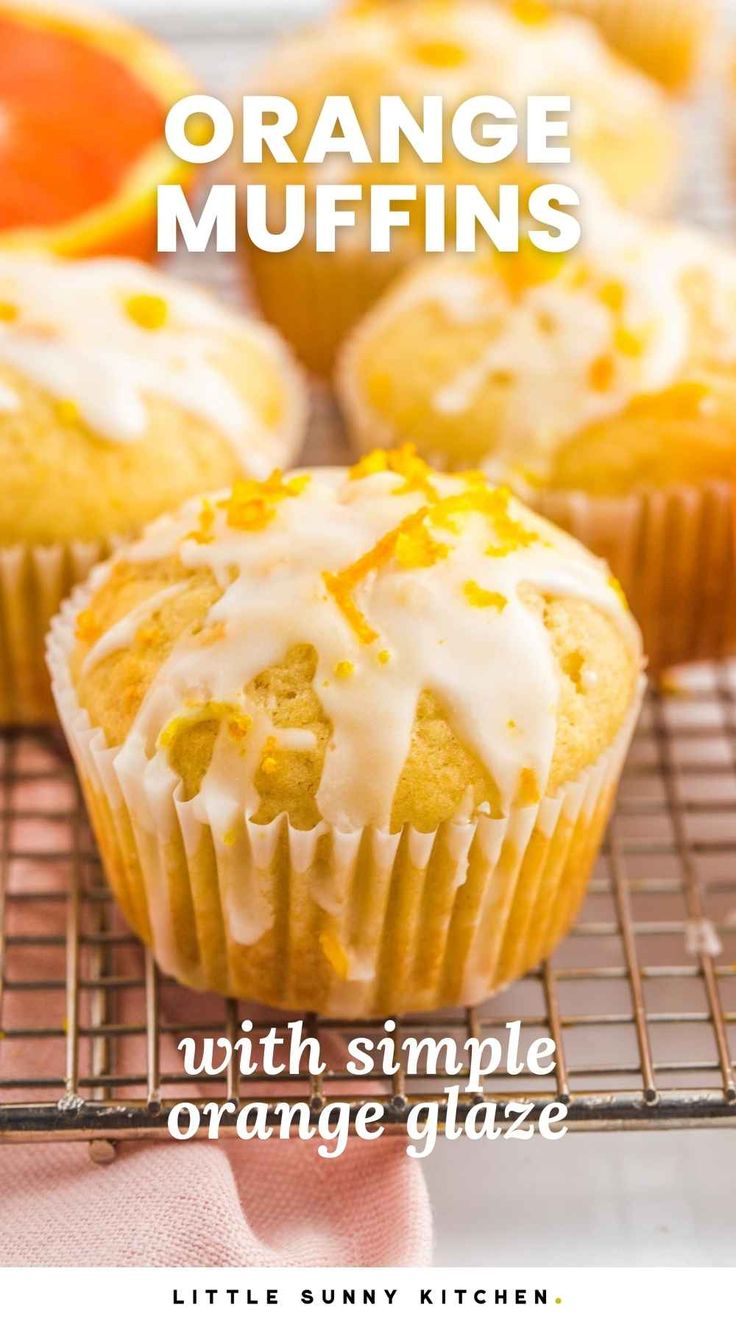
255	1295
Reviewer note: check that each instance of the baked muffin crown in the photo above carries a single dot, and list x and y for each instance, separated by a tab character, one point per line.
513	361
376	646
621	125
127	390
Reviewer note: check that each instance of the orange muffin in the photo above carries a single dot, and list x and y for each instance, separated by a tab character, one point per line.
601	384
621	131
349	738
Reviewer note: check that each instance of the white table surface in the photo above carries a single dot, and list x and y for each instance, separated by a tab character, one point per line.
632	1200
636	1199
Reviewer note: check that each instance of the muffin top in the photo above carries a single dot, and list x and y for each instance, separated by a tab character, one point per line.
123	392
608	368
375	646
620	128
667	40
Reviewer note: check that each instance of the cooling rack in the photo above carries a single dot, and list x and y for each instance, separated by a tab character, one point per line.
640	998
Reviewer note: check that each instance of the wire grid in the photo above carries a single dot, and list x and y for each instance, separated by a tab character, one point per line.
640	998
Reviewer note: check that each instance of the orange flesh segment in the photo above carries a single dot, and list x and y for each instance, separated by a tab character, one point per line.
74	122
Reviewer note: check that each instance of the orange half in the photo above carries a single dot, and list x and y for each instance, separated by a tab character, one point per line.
83	100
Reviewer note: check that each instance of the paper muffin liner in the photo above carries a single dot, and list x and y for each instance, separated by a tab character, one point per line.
674	552
314	299
35	579
345	923
33	583
666	38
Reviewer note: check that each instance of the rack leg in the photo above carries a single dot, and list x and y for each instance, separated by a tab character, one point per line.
102	1152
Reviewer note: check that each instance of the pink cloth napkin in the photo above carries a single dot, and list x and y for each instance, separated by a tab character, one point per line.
231	1203
200	1205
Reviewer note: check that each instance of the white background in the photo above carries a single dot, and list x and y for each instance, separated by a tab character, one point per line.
598	1200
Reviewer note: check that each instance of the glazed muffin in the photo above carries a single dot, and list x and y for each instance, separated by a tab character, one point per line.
621	129
349	738
122	392
601	384
668	39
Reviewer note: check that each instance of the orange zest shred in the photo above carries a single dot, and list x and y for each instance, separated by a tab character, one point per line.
493	504
631	343
579	274
440	54
478	596
411	545
67	412
531	11
528	268
402	461
237	723
269	764
613	295
88	626
149	311
342	584
601	373
687	398
8	311
415	549
253	504
203	532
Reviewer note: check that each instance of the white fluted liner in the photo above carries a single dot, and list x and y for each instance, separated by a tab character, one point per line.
347	923
674	552
33	583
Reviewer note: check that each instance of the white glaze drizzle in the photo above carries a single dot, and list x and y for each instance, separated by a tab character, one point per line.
491	669
542	345
384	51
123	632
72	336
514	58
701	938
9	399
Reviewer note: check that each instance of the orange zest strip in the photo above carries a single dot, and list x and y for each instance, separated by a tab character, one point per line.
478	596
412	545
88	627
252	504
413	548
402	461
203	533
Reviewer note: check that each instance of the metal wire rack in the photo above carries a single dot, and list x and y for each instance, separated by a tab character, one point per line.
640	999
